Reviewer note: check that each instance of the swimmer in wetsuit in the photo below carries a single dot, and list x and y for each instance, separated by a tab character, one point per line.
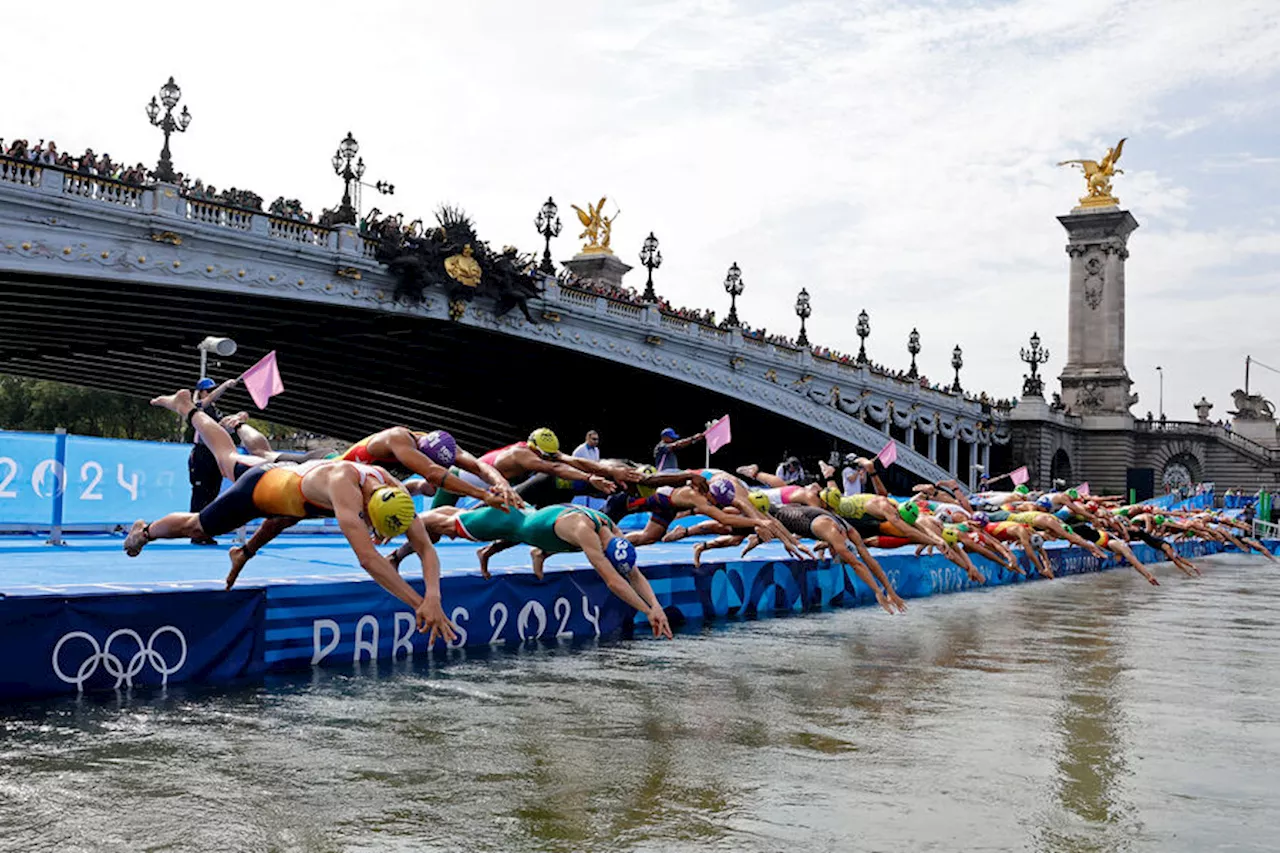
432	455
557	530
360	497
540	453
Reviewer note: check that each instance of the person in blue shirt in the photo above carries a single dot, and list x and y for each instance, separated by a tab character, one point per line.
664	454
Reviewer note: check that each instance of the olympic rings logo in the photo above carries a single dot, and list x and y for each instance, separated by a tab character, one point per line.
113	664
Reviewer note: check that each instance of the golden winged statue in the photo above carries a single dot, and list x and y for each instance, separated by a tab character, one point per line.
597	228
1097	177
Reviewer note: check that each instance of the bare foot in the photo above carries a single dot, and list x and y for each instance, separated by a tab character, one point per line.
179	401
675	534
137	539
538	558
239	556
697	554
483	555
749	471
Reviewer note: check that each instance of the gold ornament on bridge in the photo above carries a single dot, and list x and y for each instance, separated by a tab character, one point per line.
1097	177
463	268
598	229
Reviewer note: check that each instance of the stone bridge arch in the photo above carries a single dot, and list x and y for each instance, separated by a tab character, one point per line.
1178	463
1060	467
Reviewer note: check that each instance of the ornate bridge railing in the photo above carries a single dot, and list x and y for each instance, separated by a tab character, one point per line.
1213	431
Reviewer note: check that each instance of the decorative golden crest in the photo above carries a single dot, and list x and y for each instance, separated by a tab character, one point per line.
167	237
463	268
597	228
349	272
1097	177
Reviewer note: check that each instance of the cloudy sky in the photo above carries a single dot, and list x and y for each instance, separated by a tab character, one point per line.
887	155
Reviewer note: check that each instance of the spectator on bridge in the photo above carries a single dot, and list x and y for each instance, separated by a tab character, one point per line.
790	471
590	447
664	455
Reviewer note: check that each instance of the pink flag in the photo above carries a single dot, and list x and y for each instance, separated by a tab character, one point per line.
889	454
718	434
262	381
1019	475
1083	490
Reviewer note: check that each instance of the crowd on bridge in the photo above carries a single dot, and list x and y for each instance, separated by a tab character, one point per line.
88	163
524	494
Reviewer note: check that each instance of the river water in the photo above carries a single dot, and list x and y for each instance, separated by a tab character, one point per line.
1086	714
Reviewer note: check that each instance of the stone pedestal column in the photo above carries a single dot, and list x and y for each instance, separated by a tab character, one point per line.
953	464
1095	380
605	269
933	447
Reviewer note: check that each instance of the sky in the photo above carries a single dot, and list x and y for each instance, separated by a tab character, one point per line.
893	156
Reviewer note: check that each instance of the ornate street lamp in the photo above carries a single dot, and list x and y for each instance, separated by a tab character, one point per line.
170	94
957	361
803	311
864	332
1033	385
733	286
652	259
351	175
548	224
913	347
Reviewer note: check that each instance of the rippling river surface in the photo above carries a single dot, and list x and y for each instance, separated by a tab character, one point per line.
1087	714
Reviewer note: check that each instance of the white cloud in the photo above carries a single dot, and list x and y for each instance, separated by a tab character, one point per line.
894	157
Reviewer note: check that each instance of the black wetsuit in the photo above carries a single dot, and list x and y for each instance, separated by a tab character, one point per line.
799	519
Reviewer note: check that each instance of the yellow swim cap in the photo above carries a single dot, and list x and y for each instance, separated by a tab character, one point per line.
950	535
646	491
831	496
390	511
545	440
759	500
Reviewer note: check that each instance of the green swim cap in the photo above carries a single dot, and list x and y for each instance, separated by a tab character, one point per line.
909	511
1022	490
1073	494
1159	519
1123	512
1067	528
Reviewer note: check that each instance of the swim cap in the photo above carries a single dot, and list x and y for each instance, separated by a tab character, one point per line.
621	555
1073	494
390	511
1037	540
1022	490
909	511
545	440
1123	512
950	535
1159	519
962	527
981	519
722	492
1044	502
1067	528
439	447
759	500
831	496
646	491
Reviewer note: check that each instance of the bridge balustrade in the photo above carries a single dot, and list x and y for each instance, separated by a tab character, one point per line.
300	232
20	172
101	189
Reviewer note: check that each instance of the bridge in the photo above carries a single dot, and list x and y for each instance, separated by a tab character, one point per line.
112	285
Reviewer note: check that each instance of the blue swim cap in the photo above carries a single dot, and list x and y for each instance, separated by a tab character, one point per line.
1044	502
439	447
722	492
621	555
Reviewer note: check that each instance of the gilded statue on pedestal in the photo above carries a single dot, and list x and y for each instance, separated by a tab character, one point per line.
1097	176
597	228
463	268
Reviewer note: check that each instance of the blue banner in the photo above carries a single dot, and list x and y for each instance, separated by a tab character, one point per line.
121	641
350	622
30	479
111	481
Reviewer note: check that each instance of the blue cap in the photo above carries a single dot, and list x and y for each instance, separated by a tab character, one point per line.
670	433
206	384
621	555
